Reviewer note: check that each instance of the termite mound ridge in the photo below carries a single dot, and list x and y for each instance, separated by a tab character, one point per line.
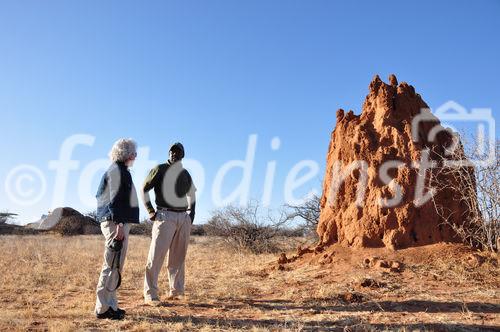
359	148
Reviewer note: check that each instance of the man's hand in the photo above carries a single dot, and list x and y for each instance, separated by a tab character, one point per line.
120	235
152	216
191	215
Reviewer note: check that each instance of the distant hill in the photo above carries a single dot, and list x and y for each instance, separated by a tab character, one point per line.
64	221
68	221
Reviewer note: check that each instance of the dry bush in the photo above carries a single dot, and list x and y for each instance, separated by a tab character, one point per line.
293	232
143	228
6	216
478	188
198	230
243	228
17	230
308	212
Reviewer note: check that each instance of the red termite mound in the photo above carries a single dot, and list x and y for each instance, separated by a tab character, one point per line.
360	146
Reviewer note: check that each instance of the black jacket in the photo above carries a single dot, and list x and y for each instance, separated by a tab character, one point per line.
117	197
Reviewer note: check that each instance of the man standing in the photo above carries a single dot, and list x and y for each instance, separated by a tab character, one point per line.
175	209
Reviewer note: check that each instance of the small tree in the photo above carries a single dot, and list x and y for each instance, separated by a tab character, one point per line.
308	211
6	216
244	228
478	188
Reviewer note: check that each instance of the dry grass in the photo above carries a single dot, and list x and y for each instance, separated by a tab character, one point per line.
48	283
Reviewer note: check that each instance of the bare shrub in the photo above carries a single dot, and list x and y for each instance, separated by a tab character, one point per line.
198	230
478	188
144	228
308	212
293	232
6	216
244	228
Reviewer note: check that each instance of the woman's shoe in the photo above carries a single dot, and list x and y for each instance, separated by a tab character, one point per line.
111	314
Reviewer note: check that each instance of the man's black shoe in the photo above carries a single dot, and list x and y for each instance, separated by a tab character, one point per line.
111	314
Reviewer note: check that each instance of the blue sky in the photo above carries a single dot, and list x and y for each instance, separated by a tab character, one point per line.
212	73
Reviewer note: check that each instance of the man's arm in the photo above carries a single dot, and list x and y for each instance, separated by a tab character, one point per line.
191	198
149	184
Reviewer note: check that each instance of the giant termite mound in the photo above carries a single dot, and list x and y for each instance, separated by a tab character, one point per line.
360	146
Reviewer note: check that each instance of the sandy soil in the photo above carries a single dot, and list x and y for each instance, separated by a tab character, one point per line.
48	283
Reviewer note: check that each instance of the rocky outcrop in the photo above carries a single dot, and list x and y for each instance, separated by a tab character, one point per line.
68	221
358	207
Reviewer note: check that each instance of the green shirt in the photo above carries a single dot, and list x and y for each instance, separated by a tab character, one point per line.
172	185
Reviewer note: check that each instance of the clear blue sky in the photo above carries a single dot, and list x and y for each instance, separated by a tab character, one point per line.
211	73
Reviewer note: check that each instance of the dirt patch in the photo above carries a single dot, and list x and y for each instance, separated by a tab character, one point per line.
350	297
372	283
377	262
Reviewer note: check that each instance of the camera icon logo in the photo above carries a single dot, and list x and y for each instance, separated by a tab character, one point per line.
479	122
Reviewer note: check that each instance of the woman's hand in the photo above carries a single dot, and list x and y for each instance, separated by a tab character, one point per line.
152	216
120	235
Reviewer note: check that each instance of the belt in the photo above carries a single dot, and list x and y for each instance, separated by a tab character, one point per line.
172	209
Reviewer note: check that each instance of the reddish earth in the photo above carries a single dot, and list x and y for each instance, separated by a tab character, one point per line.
380	134
441	284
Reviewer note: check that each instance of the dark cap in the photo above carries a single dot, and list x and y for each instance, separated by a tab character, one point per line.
179	148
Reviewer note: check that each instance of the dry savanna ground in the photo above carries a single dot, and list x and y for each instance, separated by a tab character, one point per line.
48	283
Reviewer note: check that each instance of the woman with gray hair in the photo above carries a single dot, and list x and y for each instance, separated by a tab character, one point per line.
117	208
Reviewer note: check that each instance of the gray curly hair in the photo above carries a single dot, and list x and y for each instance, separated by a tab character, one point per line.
123	150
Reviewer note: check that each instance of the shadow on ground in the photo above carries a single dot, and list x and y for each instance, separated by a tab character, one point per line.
354	323
223	306
317	305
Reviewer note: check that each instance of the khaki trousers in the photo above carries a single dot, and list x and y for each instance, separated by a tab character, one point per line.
170	235
105	298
